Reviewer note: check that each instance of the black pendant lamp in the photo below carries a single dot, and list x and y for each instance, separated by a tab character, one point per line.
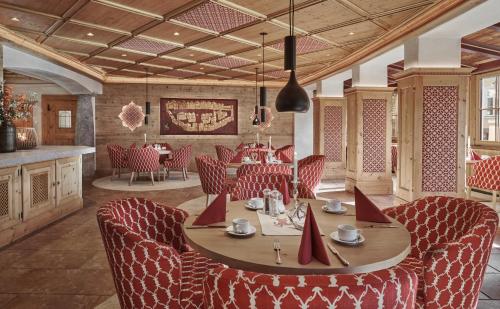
148	103
256	120
292	98
263	90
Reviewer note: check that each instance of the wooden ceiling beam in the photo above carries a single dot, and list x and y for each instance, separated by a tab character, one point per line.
487	67
75	8
19	8
356	9
488	50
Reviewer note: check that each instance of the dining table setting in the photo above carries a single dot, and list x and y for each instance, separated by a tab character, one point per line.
279	234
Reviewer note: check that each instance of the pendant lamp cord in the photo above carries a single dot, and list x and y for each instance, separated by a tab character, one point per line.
263	49
291	17
256	85
147	95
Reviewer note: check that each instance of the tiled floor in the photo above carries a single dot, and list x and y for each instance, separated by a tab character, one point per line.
65	266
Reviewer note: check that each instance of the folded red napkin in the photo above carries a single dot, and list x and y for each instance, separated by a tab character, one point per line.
240	146
311	244
237	158
474	155
284	191
366	210
285	158
214	213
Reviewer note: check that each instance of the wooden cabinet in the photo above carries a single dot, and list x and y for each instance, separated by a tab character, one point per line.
68	178
39	184
10	197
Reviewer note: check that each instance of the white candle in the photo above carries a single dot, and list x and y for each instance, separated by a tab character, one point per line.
145	141
258	138
295	168
269	142
468	142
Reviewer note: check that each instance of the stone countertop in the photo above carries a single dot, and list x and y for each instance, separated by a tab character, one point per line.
42	153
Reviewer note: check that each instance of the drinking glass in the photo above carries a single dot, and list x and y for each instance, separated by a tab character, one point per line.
267	200
274	210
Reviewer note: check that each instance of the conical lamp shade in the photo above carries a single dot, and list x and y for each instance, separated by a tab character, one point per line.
292	98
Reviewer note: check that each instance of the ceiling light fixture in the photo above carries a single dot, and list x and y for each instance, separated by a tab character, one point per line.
191	55
177	33
292	98
124	55
263	91
14	19
90	34
256	120
351	33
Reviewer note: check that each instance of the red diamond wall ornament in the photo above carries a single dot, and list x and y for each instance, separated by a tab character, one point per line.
131	116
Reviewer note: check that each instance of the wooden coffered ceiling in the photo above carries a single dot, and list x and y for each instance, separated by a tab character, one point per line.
201	39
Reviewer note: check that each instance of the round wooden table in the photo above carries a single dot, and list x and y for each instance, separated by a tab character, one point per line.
383	247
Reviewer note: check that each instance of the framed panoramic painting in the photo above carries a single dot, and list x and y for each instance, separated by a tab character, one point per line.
198	116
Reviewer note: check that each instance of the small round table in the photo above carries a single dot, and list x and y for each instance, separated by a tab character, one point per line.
383	247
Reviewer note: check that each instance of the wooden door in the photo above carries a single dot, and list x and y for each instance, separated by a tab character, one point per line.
67	179
58	119
10	197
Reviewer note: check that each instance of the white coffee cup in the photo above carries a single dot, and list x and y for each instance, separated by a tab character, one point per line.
348	232
257	202
333	205
241	226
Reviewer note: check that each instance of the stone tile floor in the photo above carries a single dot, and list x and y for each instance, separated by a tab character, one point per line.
64	265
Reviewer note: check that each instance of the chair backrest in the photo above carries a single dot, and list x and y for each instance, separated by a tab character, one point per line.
453	237
137	235
182	156
311	170
251	185
259	169
487	173
393	288
143	159
117	156
285	153
212	174
224	154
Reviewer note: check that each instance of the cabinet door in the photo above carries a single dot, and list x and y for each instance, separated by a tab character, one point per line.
38	188
10	197
68	179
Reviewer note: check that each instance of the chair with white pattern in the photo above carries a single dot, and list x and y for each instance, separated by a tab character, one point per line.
144	160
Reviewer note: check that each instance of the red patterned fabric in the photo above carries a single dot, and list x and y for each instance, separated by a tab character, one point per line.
143	159
285	153
231	288
311	170
180	158
332	137
374	134
486	174
439	138
148	258
259	169
118	156
212	174
261	153
394	158
224	154
250	186
451	241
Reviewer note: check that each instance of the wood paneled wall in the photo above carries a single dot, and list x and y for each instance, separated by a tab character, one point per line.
110	130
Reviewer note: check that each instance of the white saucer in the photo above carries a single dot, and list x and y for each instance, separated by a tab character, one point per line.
341	211
250	205
230	231
335	236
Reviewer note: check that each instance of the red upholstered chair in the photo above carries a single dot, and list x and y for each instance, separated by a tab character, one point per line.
311	170
285	153
180	160
451	241
213	176
118	157
486	177
148	255
250	186
389	288
143	160
394	158
259	169
224	154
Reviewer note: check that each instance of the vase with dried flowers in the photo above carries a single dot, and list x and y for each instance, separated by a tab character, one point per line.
12	107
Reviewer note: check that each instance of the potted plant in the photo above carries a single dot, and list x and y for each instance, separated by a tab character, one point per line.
12	107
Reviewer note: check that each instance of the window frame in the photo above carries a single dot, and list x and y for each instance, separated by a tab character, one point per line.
478	108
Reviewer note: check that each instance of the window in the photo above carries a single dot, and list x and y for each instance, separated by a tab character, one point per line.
64	119
489	109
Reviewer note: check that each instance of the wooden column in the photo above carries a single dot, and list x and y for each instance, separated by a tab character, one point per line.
431	132
369	139
330	134
1	63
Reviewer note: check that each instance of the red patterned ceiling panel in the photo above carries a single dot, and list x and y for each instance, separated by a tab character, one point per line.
214	17
229	62
147	46
278	74
305	44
